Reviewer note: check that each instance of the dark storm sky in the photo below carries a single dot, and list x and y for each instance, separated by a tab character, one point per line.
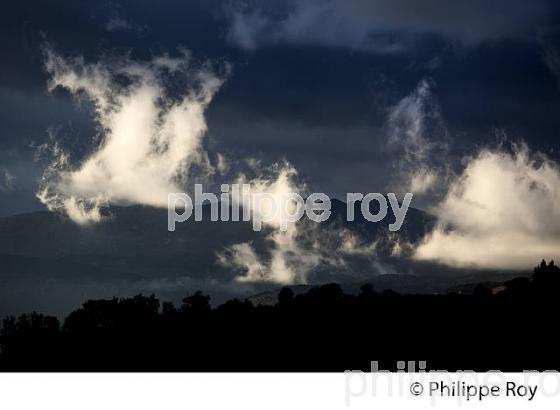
312	81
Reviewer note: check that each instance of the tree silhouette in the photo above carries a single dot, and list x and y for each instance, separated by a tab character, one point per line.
196	304
323	329
481	291
285	296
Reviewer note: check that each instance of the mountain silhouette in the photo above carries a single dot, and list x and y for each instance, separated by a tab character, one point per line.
50	264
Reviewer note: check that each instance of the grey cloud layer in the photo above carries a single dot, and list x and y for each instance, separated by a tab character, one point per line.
378	25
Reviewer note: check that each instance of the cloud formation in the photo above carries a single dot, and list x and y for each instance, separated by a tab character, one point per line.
150	143
151	123
6	180
497	209
305	248
378	25
289	260
417	139
501	212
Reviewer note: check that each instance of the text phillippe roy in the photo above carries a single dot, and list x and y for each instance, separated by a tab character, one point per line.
237	202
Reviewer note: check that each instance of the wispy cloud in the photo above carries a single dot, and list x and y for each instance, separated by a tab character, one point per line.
117	23
378	25
289	261
7	180
417	139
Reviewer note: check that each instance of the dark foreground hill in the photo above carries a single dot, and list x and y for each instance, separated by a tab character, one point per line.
511	328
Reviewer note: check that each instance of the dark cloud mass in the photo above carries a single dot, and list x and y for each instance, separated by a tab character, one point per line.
384	26
354	94
315	87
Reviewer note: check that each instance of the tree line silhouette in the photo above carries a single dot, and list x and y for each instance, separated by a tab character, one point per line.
509	328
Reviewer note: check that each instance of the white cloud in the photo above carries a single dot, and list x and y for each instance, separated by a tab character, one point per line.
375	25
407	122
502	212
353	245
417	140
306	247
6	180
289	261
495	210
151	138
